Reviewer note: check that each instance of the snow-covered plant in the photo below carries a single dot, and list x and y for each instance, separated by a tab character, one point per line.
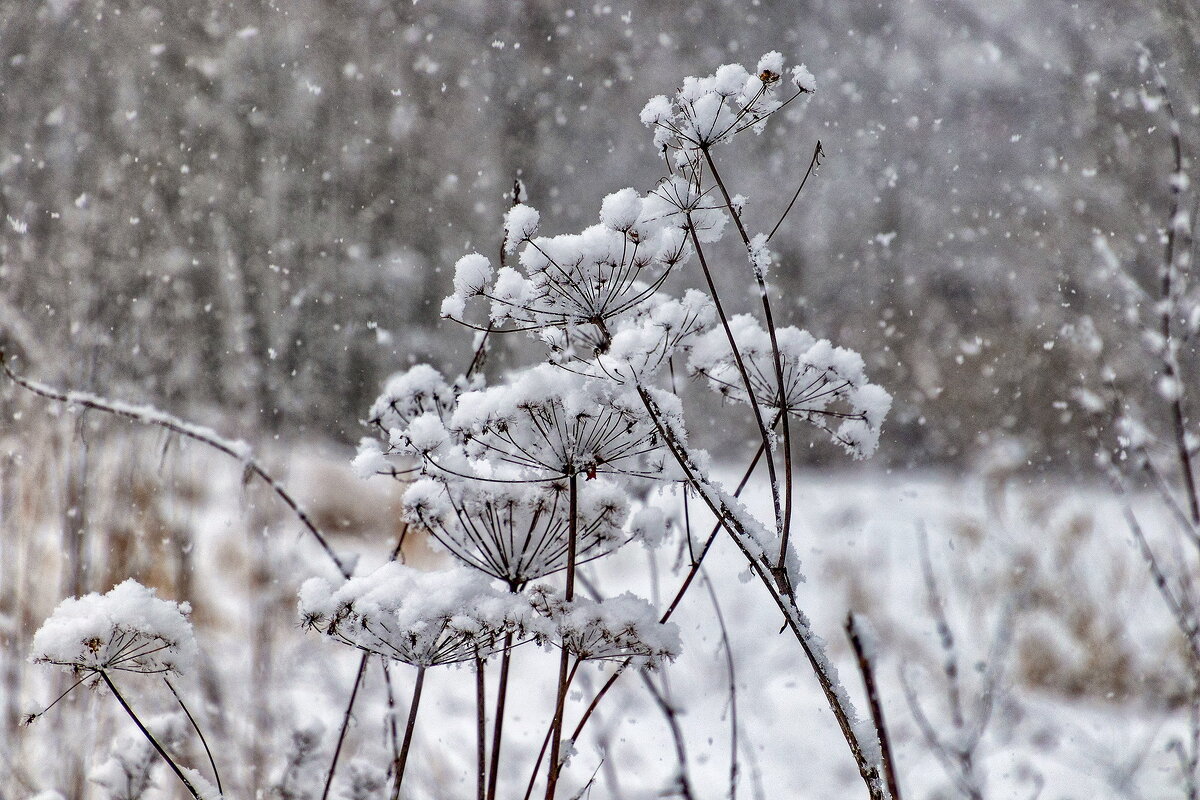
1158	443
621	628
560	463
822	384
127	629
416	617
518	532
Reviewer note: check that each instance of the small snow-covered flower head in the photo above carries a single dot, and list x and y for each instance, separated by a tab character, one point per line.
471	274
615	629
520	225
415	617
822	384
407	395
128	629
713	109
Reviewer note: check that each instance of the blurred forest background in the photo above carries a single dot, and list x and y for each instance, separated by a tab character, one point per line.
245	212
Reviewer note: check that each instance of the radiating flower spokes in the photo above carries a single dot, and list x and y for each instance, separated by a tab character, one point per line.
711	110
127	629
519	532
618	628
416	617
822	384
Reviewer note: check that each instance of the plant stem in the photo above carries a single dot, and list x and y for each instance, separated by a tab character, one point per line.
402	759
497	728
211	761
480	730
149	736
751	398
564	662
683	588
867	669
780	571
337	750
795	619
546	739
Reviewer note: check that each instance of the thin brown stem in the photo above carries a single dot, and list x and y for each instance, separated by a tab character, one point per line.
402	759
149	736
196	727
812	164
178	427
480	730
337	750
498	726
866	668
564	663
740	363
779	571
733	708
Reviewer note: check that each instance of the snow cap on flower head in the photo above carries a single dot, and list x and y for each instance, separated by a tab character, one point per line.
416	617
127	629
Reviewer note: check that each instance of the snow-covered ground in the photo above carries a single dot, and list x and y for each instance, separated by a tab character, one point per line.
1047	600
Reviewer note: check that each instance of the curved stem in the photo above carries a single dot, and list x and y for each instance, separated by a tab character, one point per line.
149	416
149	736
211	761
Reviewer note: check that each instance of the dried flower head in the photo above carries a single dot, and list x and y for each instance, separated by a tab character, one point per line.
615	629
518	532
822	384
127	629
415	617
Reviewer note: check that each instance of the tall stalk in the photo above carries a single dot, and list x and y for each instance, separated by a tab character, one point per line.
564	661
781	390
480	730
498	725
402	758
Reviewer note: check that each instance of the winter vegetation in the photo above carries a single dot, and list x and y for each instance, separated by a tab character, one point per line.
362	441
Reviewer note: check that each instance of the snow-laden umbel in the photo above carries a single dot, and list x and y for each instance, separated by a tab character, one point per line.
407	395
572	281
822	384
127	629
618	628
713	109
416	617
556	423
518	532
546	424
